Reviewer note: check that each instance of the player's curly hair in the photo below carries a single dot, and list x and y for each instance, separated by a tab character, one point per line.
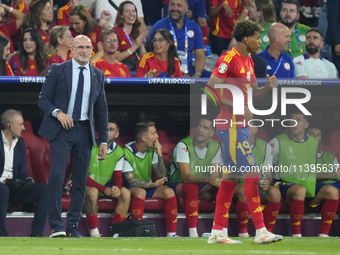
245	28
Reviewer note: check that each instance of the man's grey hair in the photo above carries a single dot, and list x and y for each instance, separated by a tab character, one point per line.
8	117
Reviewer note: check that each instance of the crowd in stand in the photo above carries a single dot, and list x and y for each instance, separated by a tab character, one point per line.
198	30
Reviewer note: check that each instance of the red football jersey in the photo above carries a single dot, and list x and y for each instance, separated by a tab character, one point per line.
58	59
32	66
124	43
8	29
9	71
62	15
240	72
111	70
149	61
222	25
94	37
45	34
21	7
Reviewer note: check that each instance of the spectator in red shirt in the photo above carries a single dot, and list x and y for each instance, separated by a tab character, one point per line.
81	23
58	49
225	14
63	12
5	69
130	38
163	61
10	28
39	15
108	63
31	59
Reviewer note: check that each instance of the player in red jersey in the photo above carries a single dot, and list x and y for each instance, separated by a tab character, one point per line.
59	47
237	153
31	59
164	58
107	63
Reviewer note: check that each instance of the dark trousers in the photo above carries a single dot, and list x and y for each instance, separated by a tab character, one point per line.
74	143
336	59
218	44
37	194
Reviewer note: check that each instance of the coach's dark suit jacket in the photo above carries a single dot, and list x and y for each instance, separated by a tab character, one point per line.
19	160
56	93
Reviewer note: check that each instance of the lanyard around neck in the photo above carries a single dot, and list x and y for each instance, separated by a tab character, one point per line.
299	41
186	46
278	66
131	43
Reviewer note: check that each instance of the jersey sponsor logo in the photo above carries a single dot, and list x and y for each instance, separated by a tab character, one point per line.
302	38
299	63
298	216
123	42
227	205
242	70
174	211
107	72
251	160
268	67
244	214
185	149
195	213
286	66
265	38
222	68
256	199
193	203
258	209
32	67
191	34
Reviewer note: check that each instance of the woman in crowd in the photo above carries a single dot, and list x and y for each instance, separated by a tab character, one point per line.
163	61
5	69
31	58
60	43
39	15
130	38
81	23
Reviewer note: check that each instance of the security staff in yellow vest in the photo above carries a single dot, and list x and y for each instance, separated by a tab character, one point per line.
271	195
295	156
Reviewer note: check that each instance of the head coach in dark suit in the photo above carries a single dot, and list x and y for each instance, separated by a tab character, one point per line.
73	100
16	185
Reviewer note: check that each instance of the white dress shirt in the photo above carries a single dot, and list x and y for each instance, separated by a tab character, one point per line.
9	157
86	94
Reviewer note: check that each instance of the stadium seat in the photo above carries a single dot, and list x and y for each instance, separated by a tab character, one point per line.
167	146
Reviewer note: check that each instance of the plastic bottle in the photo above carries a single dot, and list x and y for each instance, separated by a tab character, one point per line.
263	177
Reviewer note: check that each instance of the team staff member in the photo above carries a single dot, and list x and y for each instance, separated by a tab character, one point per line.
278	62
186	36
296	148
107	63
199	150
141	156
73	100
289	15
237	63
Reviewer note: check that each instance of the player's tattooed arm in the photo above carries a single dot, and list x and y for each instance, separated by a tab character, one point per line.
90	207
135	182
159	168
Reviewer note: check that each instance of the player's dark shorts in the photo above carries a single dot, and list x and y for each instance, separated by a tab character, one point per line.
149	192
238	156
174	185
284	187
334	184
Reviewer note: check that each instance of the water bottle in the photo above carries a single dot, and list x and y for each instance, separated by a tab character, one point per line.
263	177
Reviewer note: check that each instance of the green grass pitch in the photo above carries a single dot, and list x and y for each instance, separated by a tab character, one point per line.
171	246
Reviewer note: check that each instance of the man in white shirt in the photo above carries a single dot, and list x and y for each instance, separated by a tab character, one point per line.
311	65
16	186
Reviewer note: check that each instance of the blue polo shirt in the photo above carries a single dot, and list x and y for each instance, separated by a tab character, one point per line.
195	37
286	67
197	9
